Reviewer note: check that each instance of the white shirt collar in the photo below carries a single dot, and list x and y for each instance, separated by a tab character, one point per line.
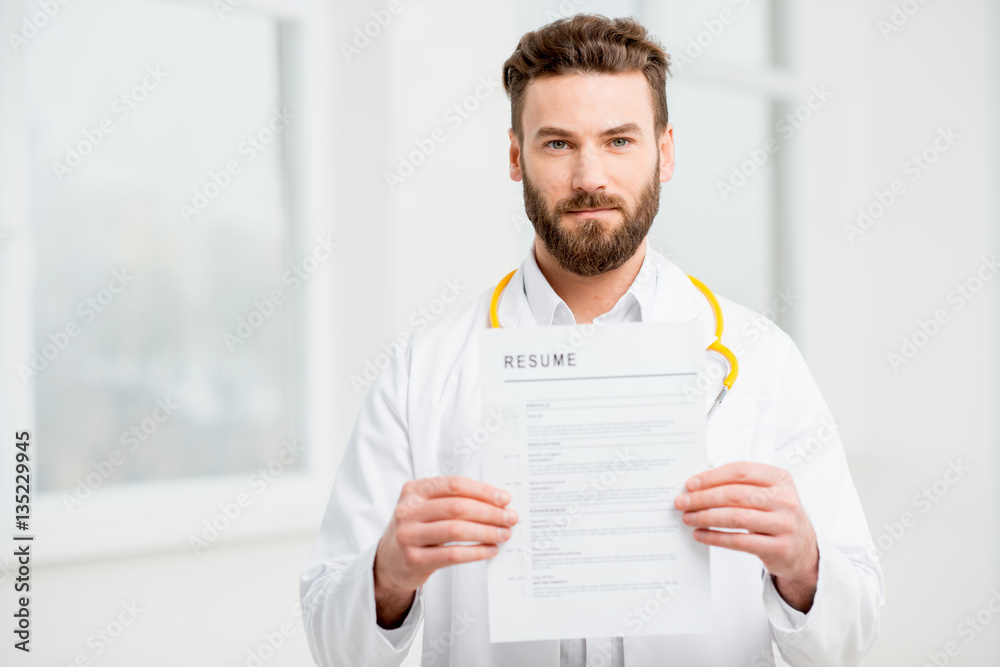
661	292
548	308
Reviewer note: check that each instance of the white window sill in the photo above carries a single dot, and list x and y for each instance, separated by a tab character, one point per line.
130	520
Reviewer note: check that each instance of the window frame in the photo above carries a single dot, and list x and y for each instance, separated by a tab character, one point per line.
161	516
781	85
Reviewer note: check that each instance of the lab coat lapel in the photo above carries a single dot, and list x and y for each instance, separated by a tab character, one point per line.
678	300
512	310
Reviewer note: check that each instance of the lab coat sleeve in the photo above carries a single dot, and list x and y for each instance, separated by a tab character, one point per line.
843	622
337	586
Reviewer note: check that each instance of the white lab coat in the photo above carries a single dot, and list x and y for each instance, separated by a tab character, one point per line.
423	416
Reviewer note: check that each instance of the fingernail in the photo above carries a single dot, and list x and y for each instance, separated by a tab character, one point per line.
694	483
503	533
682	501
502	498
510	517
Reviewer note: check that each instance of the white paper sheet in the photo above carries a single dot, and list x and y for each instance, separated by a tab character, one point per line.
603	430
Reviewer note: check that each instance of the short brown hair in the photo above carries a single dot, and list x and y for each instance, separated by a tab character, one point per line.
587	43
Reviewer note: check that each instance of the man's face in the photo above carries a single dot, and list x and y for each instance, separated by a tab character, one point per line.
591	167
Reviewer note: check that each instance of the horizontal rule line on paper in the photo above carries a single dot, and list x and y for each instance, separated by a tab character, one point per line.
604	377
624	511
529	402
611	407
615	437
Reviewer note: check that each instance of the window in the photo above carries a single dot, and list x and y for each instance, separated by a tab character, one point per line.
726	216
167	249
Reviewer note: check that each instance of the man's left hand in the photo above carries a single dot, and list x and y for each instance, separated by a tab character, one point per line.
762	500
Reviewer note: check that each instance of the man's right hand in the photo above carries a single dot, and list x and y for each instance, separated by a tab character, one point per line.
429	513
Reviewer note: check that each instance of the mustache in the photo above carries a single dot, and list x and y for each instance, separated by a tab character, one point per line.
587	200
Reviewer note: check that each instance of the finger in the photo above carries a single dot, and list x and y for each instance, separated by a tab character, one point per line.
738	472
437	533
756	521
762	546
438	509
730	495
453	485
438	557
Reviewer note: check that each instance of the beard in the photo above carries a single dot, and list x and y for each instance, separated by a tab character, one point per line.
588	247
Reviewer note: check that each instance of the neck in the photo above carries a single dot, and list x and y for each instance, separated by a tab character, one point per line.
588	296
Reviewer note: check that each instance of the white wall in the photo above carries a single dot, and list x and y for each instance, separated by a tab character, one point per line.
902	428
209	610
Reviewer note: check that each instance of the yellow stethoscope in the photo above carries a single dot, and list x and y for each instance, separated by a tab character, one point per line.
716	346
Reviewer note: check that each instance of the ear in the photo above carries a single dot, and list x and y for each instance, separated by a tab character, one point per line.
515	156
666	148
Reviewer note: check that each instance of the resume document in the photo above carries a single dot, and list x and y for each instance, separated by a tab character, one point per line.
603	427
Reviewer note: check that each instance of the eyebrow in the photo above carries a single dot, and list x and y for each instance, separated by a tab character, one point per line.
550	131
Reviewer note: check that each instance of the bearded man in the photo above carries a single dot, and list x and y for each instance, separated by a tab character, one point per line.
591	141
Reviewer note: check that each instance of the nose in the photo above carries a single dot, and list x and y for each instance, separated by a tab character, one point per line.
589	172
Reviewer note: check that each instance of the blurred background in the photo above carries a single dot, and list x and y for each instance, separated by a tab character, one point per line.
216	216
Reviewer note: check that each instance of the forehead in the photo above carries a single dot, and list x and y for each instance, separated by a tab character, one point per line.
587	102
